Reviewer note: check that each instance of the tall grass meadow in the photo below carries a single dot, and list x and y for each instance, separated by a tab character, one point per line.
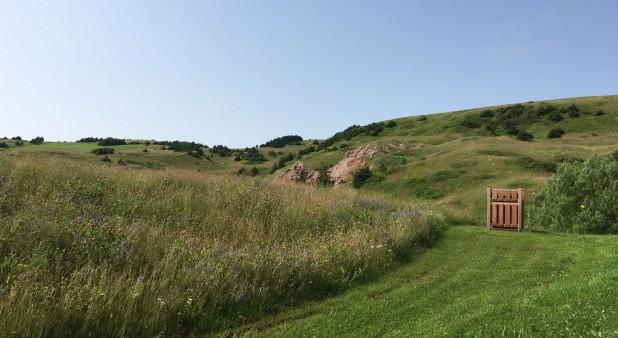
101	249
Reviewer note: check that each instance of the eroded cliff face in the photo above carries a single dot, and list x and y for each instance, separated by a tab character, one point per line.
343	171
299	172
352	162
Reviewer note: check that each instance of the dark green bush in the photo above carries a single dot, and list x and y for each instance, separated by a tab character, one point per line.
471	122
361	176
4	145
37	140
530	163
555	133
110	141
283	141
102	151
581	197
524	136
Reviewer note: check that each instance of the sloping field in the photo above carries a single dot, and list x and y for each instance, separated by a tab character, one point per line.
476	282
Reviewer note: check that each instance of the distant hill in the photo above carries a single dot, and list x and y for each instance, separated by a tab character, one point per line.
444	160
447	160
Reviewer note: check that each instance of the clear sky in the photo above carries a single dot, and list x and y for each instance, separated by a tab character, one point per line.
242	72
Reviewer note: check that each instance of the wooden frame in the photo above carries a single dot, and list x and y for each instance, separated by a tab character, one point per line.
505	209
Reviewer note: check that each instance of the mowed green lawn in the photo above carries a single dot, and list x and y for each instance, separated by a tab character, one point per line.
475	282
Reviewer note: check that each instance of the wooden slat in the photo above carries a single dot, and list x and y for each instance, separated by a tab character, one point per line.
489	193
507	216
494	214
514	219
501	214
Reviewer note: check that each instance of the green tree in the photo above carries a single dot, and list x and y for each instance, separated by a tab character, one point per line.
324	175
37	140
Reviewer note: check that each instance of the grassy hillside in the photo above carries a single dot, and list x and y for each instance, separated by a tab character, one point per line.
475	283
90	248
148	241
445	162
467	149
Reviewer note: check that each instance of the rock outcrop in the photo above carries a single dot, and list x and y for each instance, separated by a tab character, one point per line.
353	161
299	172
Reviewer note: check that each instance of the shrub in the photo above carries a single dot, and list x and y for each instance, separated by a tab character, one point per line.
555	133
524	136
4	145
283	141
180	145
361	176
581	197
110	141
221	150
102	151
306	151
89	140
530	163
324	175
555	117
471	122
37	140
572	110
487	114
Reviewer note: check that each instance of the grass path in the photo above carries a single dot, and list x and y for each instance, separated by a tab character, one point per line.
475	282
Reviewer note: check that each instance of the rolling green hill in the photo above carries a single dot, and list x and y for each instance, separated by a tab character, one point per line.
442	160
145	240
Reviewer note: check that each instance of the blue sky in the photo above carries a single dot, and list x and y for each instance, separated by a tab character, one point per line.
240	73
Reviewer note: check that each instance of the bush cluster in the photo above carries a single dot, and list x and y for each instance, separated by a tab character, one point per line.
89	140
221	150
37	140
515	119
555	133
283	141
251	155
581	197
373	129
282	162
102	151
110	141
